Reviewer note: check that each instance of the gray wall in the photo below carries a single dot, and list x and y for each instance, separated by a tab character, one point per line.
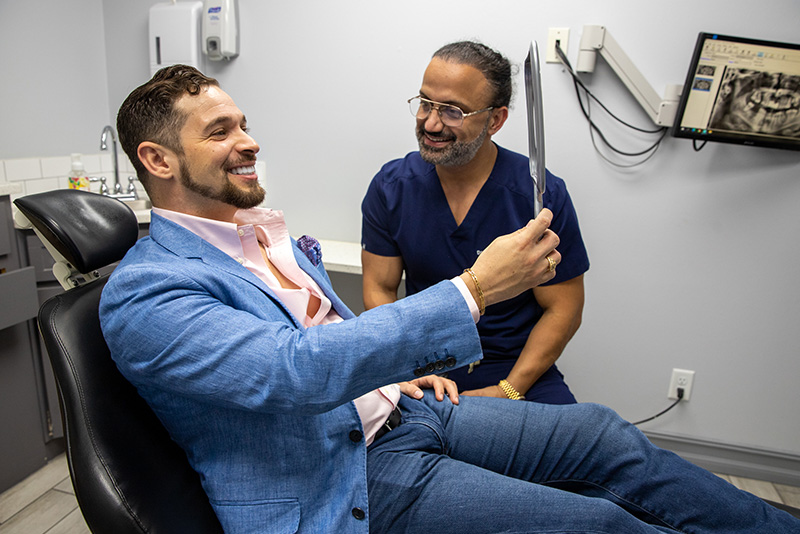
694	254
54	90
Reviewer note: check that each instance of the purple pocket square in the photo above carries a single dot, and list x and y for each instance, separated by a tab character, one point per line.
311	248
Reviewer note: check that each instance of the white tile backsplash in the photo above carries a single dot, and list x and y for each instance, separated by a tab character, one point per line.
261	171
44	184
18	170
56	167
37	175
91	163
107	165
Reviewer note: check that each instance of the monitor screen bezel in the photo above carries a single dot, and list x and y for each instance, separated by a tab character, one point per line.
726	137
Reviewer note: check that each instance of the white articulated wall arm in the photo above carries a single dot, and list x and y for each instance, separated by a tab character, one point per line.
597	39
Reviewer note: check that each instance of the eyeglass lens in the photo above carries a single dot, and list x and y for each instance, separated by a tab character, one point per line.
451	115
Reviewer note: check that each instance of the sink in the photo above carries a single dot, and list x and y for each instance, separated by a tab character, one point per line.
138	205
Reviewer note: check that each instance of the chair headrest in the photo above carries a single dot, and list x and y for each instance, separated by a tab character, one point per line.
89	230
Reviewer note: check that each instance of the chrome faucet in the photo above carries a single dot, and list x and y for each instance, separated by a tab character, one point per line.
131	193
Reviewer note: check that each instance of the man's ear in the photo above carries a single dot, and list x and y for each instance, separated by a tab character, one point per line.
499	117
159	161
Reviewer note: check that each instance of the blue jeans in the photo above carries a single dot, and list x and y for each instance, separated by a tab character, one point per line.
493	465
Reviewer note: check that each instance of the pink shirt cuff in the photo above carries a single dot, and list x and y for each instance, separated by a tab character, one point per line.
473	306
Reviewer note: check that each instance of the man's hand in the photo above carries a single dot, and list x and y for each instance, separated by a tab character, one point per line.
438	384
516	262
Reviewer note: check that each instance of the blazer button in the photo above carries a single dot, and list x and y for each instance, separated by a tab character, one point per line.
419	371
356	436
439	365
450	362
359	514
430	368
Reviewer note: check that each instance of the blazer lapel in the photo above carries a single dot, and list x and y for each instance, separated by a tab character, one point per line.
189	245
317	273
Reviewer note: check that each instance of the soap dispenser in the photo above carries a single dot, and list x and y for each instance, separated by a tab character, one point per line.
77	174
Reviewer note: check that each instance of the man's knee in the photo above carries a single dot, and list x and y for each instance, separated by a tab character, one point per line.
601	424
598	413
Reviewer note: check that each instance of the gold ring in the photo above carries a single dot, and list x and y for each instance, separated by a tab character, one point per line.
552	264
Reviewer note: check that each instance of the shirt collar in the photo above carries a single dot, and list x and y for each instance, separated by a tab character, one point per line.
224	235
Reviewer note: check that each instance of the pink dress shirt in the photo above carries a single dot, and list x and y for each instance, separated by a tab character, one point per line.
242	240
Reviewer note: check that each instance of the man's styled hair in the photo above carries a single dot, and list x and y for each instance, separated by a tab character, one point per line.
149	113
492	64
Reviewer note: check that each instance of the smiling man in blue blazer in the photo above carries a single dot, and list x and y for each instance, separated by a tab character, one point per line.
300	417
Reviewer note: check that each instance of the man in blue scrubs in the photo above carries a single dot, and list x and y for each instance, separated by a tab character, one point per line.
433	212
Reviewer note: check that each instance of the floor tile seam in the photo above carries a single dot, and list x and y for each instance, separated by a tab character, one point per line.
33	502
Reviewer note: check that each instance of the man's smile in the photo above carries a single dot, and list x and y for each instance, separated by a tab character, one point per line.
243	170
437	140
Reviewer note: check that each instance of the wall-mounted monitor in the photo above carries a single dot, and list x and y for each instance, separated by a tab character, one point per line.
743	91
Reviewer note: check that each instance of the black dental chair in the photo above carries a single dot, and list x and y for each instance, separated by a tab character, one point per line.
129	476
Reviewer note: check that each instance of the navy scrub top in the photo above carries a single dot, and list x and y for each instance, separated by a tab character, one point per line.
405	213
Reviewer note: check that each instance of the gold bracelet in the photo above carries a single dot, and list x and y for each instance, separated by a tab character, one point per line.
509	390
482	302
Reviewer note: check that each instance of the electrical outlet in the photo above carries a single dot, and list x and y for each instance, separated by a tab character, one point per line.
681	378
556	34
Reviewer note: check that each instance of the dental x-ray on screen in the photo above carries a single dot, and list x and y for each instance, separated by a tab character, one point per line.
743	91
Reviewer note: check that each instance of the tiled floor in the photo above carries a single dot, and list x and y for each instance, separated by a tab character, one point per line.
44	503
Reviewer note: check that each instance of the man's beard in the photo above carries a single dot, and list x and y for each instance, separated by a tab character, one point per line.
229	194
455	155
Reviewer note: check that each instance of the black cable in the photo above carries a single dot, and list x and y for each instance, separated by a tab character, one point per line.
698	148
659	414
578	83
576	79
651	150
593	128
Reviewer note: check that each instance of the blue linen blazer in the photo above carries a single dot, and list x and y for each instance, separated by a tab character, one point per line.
263	407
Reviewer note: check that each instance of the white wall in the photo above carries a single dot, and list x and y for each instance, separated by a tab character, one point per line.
54	89
693	255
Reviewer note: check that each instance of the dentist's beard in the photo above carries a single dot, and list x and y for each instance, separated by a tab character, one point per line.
454	155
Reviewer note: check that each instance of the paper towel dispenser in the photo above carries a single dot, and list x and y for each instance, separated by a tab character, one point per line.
175	35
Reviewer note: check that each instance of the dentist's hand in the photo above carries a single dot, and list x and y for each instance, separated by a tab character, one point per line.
516	262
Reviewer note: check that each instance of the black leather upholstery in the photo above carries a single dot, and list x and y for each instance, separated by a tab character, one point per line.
89	230
128	475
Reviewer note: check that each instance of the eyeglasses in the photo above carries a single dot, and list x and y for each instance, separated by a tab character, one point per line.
450	115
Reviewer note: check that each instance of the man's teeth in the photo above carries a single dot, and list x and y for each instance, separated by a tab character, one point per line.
438	139
243	170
